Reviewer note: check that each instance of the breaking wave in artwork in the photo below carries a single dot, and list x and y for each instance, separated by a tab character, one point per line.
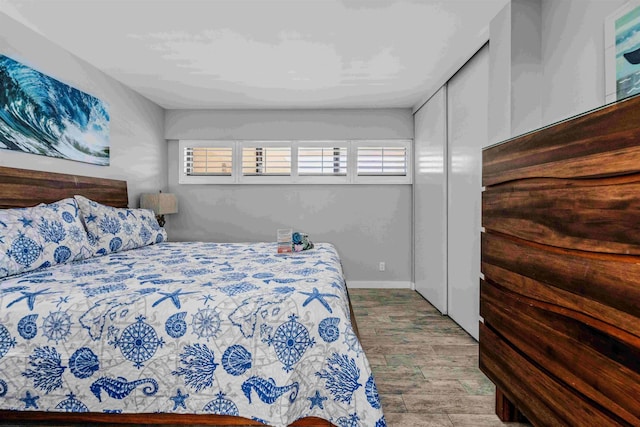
41	115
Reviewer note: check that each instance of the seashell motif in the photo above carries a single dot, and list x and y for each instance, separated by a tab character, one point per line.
67	217
115	244
83	363
236	360
61	254
27	327
328	329
175	325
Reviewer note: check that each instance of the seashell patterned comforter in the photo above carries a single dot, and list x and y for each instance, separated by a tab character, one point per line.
187	327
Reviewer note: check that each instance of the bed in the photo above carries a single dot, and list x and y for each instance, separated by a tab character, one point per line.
560	296
170	332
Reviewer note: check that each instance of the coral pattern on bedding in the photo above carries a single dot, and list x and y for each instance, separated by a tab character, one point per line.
41	236
232	329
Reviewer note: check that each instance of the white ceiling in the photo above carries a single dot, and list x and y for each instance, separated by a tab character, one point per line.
268	53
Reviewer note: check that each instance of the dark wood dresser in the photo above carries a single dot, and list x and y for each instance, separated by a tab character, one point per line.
560	298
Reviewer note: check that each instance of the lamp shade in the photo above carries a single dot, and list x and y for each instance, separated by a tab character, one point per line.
159	203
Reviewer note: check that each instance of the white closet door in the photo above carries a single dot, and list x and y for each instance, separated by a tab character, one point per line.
467	104
430	200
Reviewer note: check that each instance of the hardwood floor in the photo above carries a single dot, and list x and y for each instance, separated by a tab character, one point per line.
425	365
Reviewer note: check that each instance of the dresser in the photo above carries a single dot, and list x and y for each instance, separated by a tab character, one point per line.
560	293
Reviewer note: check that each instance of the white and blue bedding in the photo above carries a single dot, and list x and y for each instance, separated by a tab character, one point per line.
200	328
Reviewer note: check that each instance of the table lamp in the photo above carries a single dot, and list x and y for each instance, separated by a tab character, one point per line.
160	203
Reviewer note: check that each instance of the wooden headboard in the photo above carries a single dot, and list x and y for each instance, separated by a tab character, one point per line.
560	297
23	188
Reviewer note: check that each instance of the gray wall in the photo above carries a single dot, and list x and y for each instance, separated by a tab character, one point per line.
138	148
534	85
366	223
515	70
573	56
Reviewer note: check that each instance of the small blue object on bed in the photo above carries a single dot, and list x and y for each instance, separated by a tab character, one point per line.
176	327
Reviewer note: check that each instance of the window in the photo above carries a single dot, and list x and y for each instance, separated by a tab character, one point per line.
381	161
204	162
263	161
208	161
295	162
318	161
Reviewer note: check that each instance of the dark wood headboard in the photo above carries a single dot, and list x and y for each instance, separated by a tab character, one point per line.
23	188
560	297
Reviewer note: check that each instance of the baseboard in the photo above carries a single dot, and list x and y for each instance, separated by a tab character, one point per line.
383	284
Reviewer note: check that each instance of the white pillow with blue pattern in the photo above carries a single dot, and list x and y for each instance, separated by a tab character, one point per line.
41	236
112	229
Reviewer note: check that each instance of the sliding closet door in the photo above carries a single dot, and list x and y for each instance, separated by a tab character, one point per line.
430	200
467	103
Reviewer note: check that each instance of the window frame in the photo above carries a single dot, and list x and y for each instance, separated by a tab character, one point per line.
351	176
384	179
321	179
183	178
262	179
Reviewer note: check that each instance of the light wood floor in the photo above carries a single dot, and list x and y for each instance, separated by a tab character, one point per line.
425	365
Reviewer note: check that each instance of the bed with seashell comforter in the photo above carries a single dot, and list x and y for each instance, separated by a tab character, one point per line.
230	329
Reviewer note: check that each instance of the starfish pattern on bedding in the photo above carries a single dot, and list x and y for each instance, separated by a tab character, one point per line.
30	297
30	400
320	297
207	298
26	222
173	296
178	400
317	400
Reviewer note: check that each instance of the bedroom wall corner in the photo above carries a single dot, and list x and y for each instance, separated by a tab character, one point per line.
137	144
515	70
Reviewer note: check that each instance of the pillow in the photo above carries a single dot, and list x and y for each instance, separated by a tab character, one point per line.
41	236
112	229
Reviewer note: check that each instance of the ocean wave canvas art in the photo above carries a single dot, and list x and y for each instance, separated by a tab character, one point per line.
41	115
628	54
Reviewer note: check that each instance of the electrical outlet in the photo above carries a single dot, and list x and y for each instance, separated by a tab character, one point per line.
382	266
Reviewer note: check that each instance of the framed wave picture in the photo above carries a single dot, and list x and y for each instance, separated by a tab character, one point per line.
622	52
41	115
